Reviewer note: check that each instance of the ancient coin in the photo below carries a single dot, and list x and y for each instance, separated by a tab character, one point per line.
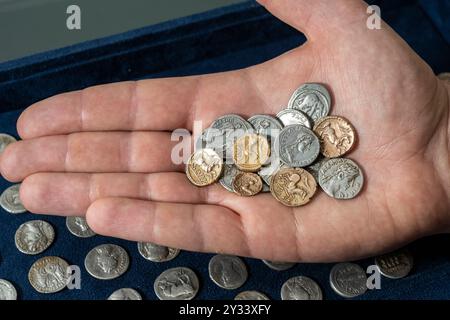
251	151
106	262
278	265
229	172
5	140
228	272
316	87
49	274
247	184
204	167
34	237
266	126
78	227
251	295
312	102
301	288
298	146
348	280
337	136
10	200
7	291
176	284
157	253
341	178
267	172
293	186
291	116
125	294
445	76
395	265
232	127
315	167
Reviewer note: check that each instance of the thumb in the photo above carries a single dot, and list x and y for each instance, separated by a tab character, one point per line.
317	17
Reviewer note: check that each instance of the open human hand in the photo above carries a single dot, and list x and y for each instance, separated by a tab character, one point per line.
105	151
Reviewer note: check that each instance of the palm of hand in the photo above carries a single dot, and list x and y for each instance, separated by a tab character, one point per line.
378	83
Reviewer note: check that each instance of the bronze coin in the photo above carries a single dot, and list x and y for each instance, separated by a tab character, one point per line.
247	184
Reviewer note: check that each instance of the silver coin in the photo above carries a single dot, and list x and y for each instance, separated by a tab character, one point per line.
228	272
251	295
10	200
266	125
78	227
291	116
298	146
231	126
107	261
301	288
278	265
34	237
176	284
316	87
395	265
267	172
311	102
157	253
125	294
229	172
211	139
341	178
348	280
5	140
7	291
49	275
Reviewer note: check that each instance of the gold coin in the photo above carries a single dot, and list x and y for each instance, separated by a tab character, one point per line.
204	167
293	187
250	152
337	136
247	184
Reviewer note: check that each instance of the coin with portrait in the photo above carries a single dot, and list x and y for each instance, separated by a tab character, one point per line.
10	200
107	261
176	284
79	227
157	253
247	184
34	237
49	274
228	272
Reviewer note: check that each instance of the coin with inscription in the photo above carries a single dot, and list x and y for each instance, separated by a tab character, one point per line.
395	265
341	178
348	280
266	125
312	102
49	274
301	288
125	294
176	284
204	167
279	265
5	140
157	253
7	291
247	184
337	136
298	146
251	151
10	200
293	187
228	272
229	172
251	295
316	87
34	237
78	227
291	116
107	261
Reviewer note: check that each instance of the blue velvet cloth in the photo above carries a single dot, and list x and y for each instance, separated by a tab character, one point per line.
224	39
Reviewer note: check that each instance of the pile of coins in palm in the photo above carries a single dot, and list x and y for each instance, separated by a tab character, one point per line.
287	155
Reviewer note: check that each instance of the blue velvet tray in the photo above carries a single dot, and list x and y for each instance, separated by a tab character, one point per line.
223	39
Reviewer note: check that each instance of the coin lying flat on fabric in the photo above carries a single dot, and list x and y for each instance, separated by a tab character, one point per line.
49	274
176	284
278	265
250	152
291	116
78	227
107	261
10	200
247	184
228	272
336	134
348	280
298	146
395	265
251	295
301	288
34	237
312	101
204	167
125	294
5	140
7	291
157	253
